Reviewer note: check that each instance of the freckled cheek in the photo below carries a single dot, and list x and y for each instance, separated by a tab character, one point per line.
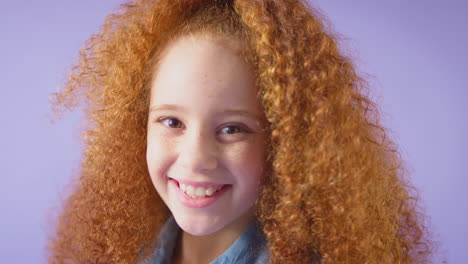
158	155
248	161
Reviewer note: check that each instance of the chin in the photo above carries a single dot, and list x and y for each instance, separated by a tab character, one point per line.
200	226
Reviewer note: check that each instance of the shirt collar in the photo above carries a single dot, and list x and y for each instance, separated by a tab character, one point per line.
250	247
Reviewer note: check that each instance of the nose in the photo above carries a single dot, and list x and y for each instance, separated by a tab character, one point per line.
198	153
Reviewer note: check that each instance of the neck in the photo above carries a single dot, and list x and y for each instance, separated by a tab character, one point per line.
192	249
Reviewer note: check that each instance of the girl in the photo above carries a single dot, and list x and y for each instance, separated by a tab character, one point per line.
230	132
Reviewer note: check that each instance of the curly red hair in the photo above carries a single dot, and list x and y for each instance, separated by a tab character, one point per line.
336	191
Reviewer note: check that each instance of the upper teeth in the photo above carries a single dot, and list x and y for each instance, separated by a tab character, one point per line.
196	192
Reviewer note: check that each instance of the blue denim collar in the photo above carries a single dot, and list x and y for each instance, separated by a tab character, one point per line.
250	247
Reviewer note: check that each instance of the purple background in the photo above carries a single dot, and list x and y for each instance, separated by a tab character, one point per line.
413	53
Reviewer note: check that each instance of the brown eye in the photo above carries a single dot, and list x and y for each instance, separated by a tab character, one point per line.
233	129
171	122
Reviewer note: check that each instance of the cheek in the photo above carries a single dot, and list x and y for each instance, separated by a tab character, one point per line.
151	156
248	163
157	157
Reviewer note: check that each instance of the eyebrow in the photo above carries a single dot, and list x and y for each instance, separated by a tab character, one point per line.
182	109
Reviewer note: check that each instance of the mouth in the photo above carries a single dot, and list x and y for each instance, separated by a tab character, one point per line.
197	190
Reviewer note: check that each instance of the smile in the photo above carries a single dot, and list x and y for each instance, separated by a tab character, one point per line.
198	194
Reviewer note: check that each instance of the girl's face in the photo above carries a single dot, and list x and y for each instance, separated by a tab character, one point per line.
205	148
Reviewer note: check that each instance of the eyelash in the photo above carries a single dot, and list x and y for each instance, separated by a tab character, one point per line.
241	128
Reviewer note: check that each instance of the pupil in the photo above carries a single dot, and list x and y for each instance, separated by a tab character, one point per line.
173	122
231	130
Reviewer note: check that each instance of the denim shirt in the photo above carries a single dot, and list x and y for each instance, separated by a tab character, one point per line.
250	247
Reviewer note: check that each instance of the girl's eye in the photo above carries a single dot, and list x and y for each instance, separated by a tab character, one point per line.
171	122
233	129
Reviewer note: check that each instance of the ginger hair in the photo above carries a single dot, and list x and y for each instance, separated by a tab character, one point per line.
336	190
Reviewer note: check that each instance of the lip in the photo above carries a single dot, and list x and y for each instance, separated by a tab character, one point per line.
197	202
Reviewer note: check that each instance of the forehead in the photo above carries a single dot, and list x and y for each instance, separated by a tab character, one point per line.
199	70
